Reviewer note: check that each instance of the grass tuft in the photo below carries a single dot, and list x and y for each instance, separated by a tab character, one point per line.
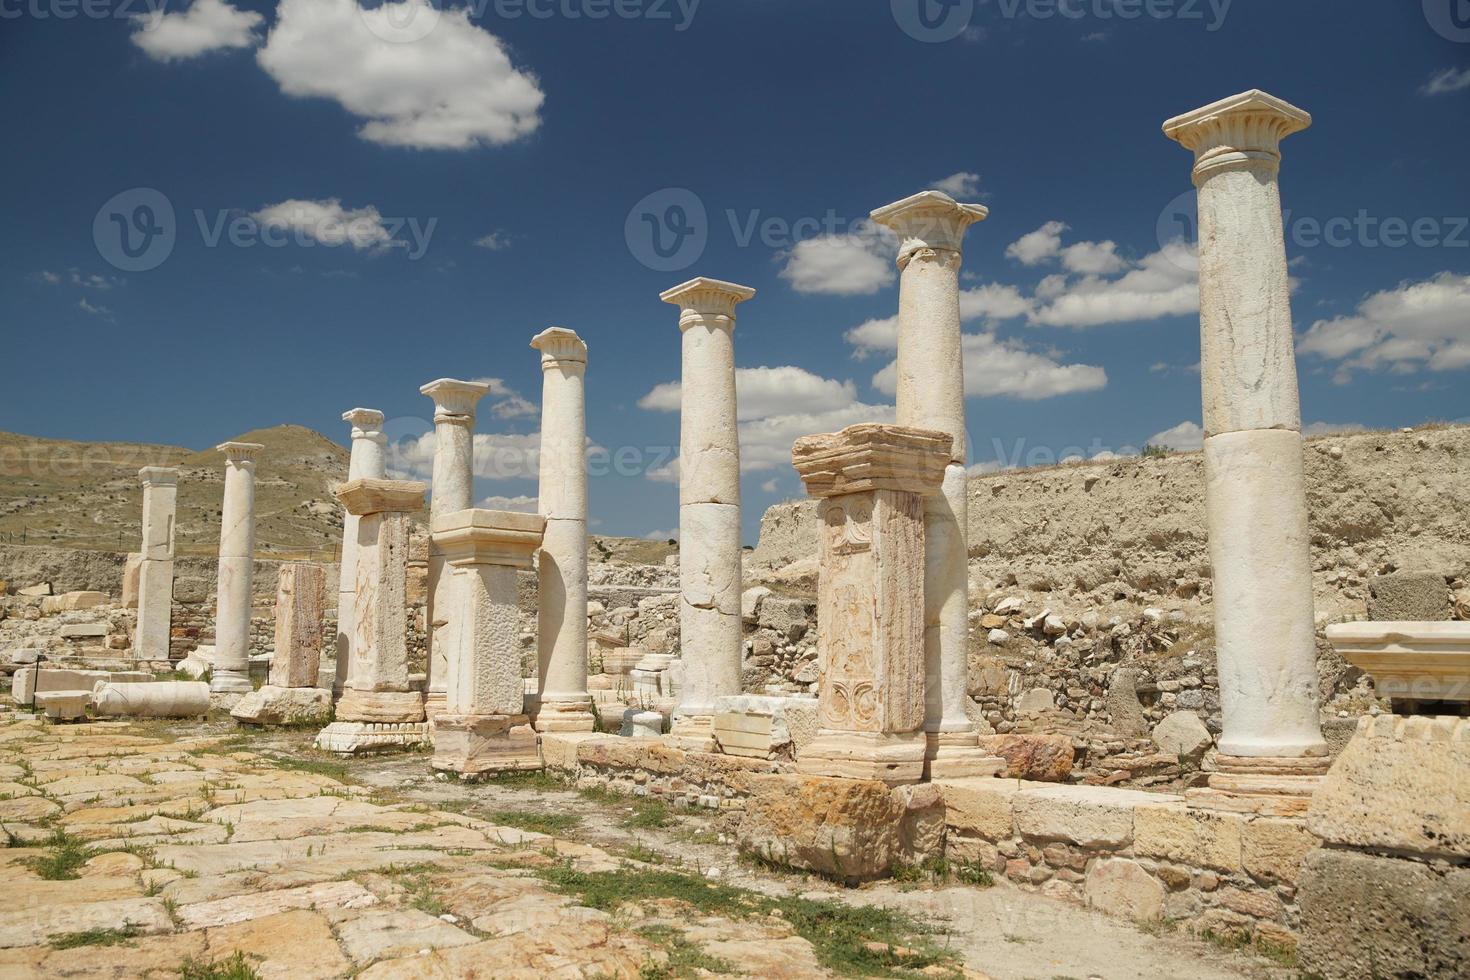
92	937
234	967
540	823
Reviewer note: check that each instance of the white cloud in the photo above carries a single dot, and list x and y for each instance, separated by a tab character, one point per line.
1093	258
50	278
514	407
522	505
1006	367
95	310
328	222
765	444
497	456
1412	326
208	25
873	336
1162	283
855	264
1036	247
1447	81
1184	437
762	392
495	241
771	485
993	301
419	76
664	535
960	186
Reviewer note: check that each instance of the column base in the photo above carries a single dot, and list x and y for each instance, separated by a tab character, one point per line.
958	755
360	737
693	733
1271	785
895	759
381	707
229	681
435	704
565	716
474	744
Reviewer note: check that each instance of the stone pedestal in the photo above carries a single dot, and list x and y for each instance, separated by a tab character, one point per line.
483	727
1255	499
378	692
292	695
931	395
155	583
367	461
870	481
231	674
711	637
452	490
563	703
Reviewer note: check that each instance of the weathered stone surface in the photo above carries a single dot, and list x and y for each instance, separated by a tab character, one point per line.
1273	849
1034	700
1406	596
22	925
296	945
1401	784
157	699
1122	887
979	807
1125	711
272	705
1364	915
843	828
1188	835
786	616
1181	733
300	596
255	905
1089	816
397	932
1039	758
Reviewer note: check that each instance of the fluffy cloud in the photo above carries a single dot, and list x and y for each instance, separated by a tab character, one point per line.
508	403
960	186
1006	367
1412	326
89	280
1184	437
208	25
419	76
495	241
497	456
94	309
328	222
1036	247
855	264
1162	283
522	504
667	534
990	302
1447	81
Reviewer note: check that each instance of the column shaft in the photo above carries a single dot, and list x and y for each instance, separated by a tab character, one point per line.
367	460
156	563
231	671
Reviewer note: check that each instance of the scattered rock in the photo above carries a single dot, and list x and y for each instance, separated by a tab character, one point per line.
1182	734
1043	758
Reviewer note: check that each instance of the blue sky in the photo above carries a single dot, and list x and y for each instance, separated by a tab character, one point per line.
365	201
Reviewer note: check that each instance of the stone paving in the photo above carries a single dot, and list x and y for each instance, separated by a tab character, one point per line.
192	851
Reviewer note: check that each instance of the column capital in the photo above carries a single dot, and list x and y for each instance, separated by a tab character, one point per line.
1244	130
159	476
872	456
367	496
454	401
488	537
559	346
363	420
700	298
929	219
239	452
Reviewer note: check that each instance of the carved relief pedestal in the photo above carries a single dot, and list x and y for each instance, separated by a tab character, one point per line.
368	461
871	481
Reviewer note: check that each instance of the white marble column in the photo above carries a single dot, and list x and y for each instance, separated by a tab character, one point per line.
931	395
483	727
367	460
710	634
1255	498
156	563
452	489
563	703
231	671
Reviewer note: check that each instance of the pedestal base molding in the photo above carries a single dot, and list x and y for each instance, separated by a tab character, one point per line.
957	755
895	759
435	704
473	744
358	737
381	707
565	716
694	733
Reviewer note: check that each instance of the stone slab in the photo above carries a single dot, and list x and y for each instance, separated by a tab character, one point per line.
361	737
1089	816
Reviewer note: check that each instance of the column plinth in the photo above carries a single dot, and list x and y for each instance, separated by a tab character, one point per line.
483	726
710	632
452	490
367	460
156	563
870	481
231	672
930	394
563	702
1255	498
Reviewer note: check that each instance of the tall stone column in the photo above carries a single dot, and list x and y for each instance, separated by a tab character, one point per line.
710	633
870	482
1255	498
378	708
231	671
156	563
561	610
483	727
931	395
453	489
367	460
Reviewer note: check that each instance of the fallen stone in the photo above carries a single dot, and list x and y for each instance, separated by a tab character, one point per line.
1120	886
271	705
35	590
997	637
156	699
80	631
1125	711
1035	700
750	602
24	655
64	705
1041	758
1182	734
785	616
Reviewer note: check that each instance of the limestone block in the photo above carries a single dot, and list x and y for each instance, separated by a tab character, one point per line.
64	705
1188	835
1125	711
788	617
750	602
82	631
1088	816
847	829
979	807
647	724
23	655
1401	784
559	749
30	681
1363	915
1405	596
155	609
1122	887
758	725
158	699
1035	700
921	830
300	596
1041	758
1273	848
272	705
1181	733
1415	660
473	744
360	737
72	601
